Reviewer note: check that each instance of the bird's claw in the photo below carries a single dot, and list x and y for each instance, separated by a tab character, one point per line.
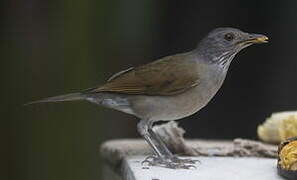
150	157
187	161
172	163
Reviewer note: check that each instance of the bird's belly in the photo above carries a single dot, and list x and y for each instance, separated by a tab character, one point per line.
172	107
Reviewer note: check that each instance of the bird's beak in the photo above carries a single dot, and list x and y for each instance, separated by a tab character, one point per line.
255	39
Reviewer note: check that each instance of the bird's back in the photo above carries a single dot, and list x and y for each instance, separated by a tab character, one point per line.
170	75
196	82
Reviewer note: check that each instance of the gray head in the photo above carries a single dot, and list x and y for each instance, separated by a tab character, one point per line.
222	44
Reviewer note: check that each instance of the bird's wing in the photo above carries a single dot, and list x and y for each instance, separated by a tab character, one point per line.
168	76
119	73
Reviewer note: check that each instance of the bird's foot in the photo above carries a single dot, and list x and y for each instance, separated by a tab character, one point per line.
175	163
176	159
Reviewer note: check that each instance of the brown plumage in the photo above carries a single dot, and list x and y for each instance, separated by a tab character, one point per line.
167	76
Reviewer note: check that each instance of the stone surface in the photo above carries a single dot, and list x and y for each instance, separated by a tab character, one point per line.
211	168
123	158
114	151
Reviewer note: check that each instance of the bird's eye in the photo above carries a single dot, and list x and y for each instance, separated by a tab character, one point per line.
229	36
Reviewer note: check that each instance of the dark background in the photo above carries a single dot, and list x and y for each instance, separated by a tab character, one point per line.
51	47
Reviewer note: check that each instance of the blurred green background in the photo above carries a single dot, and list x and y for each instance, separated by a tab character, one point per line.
56	47
52	47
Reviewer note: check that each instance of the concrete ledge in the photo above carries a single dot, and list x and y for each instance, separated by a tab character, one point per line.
123	160
221	159
211	168
114	151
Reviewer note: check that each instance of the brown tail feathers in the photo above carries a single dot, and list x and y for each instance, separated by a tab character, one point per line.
66	97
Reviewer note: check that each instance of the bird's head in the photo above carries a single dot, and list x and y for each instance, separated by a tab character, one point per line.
222	44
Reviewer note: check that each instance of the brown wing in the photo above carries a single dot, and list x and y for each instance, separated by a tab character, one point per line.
168	76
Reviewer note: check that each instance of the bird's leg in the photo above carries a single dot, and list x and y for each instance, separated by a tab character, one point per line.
161	158
142	128
167	152
164	148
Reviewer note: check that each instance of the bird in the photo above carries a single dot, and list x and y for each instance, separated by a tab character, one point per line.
170	88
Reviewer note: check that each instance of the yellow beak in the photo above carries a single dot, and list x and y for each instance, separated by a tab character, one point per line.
255	39
263	39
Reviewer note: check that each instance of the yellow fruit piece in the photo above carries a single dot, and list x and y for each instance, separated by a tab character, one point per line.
278	127
288	127
288	156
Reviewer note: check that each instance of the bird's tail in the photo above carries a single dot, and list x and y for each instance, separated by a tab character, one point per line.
65	97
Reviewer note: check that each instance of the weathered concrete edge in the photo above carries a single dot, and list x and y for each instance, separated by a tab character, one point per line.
114	151
127	171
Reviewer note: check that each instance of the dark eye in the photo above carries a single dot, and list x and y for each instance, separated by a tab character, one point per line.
229	36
